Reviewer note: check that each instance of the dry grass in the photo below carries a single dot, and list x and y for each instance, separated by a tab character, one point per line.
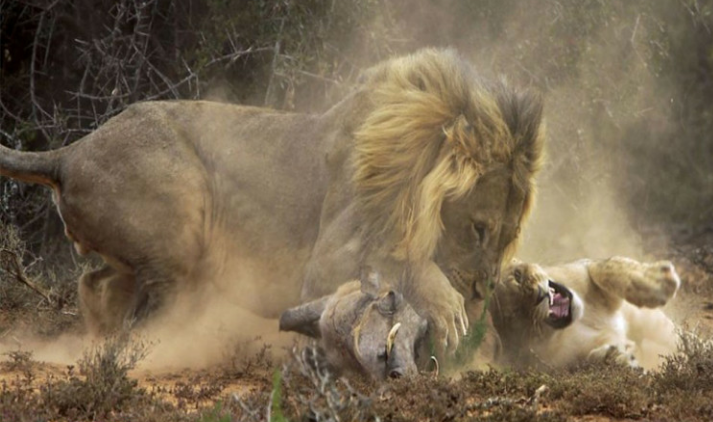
302	389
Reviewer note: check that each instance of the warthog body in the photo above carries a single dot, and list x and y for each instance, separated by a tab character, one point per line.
363	330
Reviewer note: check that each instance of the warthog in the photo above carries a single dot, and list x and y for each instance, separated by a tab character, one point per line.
363	329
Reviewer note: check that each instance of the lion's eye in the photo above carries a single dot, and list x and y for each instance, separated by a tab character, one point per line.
479	231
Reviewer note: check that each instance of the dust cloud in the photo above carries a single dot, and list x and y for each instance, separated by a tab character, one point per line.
65	349
194	332
215	331
597	65
594	70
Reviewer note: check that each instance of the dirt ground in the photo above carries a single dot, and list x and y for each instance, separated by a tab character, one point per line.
255	381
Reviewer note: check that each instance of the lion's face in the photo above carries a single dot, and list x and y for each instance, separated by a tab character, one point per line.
479	230
526	298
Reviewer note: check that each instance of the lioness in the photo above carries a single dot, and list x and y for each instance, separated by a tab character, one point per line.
605	309
424	172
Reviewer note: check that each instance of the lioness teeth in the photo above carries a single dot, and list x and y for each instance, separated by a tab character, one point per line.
552	296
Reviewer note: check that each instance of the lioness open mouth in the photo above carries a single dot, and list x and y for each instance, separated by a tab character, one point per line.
560	313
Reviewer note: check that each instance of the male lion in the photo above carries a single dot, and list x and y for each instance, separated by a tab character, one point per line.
424	172
586	309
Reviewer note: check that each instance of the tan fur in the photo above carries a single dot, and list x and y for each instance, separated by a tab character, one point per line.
618	319
274	208
104	294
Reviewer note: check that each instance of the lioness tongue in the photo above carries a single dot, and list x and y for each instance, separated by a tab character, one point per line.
560	306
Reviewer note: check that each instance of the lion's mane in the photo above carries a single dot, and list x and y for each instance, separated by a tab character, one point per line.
434	129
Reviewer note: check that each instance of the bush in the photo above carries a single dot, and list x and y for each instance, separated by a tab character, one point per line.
103	386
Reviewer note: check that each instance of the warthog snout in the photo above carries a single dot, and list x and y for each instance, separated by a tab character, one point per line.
362	329
396	373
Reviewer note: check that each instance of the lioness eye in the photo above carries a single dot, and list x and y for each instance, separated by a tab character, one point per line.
518	275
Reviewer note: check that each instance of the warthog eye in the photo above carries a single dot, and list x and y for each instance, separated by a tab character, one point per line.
417	350
383	356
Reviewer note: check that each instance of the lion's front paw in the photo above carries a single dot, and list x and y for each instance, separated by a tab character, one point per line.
447	318
434	298
658	285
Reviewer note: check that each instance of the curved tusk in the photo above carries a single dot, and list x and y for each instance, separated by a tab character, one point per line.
390	338
435	366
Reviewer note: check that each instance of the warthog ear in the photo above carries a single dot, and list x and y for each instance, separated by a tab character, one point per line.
370	281
304	319
391	302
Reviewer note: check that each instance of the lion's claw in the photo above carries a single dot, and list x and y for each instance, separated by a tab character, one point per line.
443	306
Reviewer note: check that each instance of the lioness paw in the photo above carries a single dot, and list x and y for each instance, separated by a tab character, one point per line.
657	286
620	355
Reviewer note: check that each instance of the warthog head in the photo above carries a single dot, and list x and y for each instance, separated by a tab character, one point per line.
363	329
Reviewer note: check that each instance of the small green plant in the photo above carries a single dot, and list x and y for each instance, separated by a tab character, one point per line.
216	414
276	414
476	335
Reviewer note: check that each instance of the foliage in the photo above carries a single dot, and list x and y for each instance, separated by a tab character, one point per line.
478	330
216	415
105	386
305	390
276	414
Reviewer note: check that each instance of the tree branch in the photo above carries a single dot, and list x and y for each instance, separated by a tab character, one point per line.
12	265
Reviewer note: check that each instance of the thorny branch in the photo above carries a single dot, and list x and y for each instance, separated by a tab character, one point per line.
11	264
122	64
122	58
327	398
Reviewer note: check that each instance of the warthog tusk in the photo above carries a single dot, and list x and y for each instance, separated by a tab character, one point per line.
390	338
435	366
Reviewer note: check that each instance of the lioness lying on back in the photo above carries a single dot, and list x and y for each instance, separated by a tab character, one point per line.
586	309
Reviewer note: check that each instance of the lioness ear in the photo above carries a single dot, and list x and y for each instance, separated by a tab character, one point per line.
370	281
304	319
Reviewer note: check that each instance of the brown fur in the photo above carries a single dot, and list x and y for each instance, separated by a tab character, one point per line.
102	297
